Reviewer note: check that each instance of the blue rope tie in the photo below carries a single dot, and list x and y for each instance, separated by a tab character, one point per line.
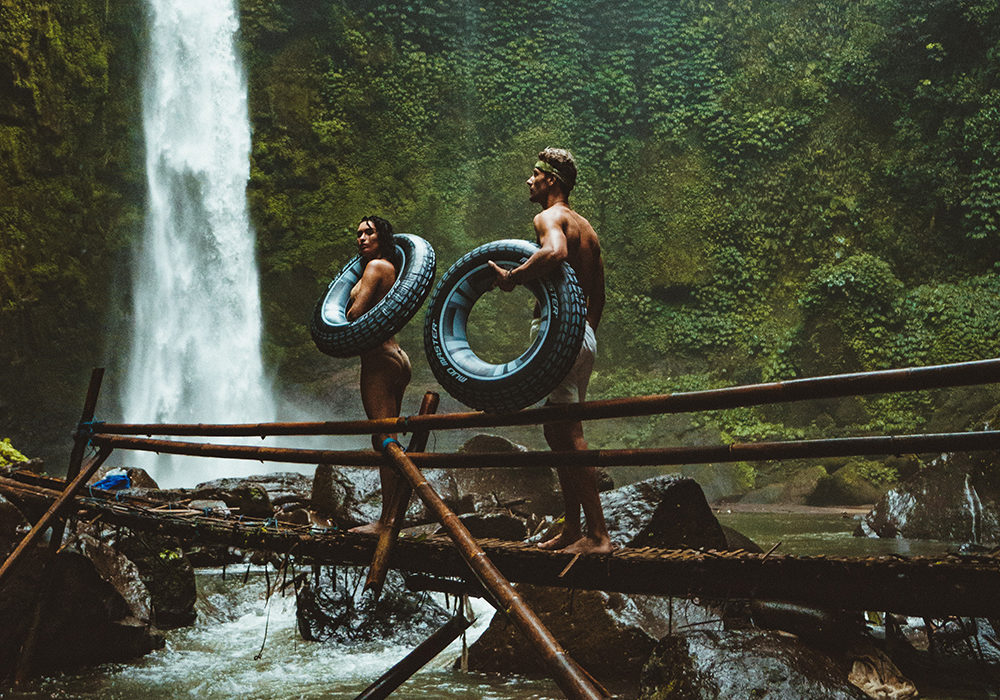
387	441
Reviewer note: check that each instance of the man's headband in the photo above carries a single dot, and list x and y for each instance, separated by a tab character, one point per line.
548	168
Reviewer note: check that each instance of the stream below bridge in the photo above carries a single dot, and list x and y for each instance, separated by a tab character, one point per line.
217	657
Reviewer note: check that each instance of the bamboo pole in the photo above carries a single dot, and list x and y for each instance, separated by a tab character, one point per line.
397	509
809	388
654	456
930	586
566	672
80	440
416	659
83	430
54	510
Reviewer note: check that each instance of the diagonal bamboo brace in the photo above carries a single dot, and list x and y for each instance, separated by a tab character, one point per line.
57	506
397	510
567	674
416	659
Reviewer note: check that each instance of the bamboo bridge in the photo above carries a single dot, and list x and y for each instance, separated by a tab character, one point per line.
928	586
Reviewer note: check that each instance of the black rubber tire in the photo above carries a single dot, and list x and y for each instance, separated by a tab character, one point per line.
336	336
539	369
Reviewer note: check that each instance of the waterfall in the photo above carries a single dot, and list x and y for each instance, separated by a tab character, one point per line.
196	324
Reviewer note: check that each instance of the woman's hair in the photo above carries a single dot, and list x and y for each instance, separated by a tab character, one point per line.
383	233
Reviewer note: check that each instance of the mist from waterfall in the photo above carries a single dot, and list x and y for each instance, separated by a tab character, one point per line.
195	354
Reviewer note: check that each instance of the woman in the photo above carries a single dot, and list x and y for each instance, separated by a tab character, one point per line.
385	370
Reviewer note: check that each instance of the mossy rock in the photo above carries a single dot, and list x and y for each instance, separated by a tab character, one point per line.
798	488
857	483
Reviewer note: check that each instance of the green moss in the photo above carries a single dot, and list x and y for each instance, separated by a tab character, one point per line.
9	455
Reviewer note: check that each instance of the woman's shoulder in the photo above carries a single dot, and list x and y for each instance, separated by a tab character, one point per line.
380	266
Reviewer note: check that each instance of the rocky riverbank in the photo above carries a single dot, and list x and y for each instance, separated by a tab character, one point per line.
129	586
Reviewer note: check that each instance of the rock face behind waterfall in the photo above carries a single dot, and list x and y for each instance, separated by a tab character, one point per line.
956	498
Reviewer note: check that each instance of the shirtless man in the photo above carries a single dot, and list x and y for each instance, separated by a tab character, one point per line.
385	369
564	235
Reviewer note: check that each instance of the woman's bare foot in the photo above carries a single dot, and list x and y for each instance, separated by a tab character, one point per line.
559	541
590	545
374	528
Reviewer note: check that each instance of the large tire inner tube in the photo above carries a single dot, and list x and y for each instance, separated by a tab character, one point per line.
335	335
534	373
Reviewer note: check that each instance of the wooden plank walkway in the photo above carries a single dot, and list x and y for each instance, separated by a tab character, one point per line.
927	586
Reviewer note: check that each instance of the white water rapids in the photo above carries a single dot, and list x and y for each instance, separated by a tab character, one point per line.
195	354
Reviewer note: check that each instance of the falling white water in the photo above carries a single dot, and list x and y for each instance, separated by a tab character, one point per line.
195	353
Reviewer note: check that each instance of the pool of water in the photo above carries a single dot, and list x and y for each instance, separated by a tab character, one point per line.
810	532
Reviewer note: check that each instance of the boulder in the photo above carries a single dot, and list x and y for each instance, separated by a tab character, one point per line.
961	654
610	634
95	609
528	491
166	572
138	476
798	488
666	511
957	498
723	481
499	525
352	496
849	486
741	664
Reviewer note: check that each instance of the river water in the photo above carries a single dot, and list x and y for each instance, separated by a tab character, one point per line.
218	656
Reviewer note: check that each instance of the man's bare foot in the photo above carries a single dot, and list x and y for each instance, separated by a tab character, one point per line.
558	542
374	528
590	545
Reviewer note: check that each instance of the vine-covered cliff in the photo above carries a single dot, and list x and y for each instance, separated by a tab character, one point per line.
781	190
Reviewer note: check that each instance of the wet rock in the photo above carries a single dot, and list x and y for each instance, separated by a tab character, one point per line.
498	525
741	664
245	499
355	496
590	625
139	477
95	609
721	481
665	511
13	527
331	606
809	623
956	498
210	506
256	495
167	574
529	491
330	489
961	654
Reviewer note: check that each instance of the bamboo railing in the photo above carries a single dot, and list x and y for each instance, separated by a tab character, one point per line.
834	386
573	680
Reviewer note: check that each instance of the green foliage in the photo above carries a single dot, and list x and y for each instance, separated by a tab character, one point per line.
781	189
8	454
875	472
